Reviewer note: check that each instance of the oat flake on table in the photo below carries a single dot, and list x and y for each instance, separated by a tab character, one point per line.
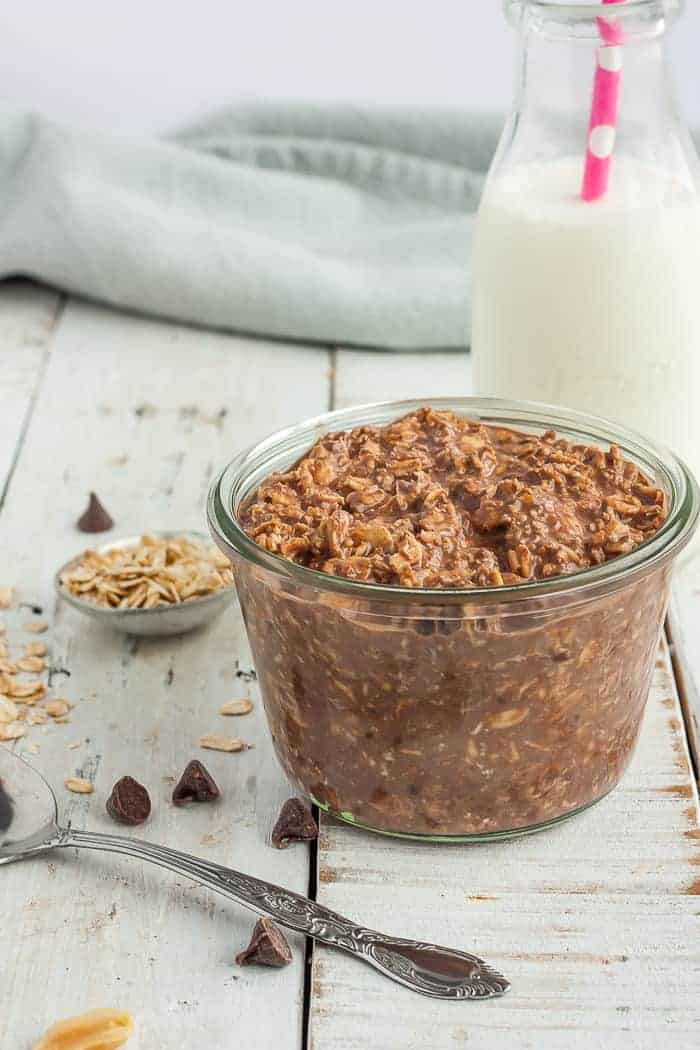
214	742
237	707
9	711
12	731
31	664
35	626
79	786
35	649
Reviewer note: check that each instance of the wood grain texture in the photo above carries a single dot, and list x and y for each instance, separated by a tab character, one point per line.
683	630
144	412
596	922
28	315
361	376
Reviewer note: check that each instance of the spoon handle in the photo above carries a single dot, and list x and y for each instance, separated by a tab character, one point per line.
443	973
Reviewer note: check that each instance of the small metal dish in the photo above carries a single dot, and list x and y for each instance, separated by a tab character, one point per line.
160	621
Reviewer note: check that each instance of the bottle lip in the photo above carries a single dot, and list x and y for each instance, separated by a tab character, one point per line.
277	452
573	12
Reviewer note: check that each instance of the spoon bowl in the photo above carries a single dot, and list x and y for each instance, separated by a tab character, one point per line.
28	810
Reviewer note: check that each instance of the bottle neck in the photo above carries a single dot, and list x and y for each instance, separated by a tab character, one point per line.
559	55
556	72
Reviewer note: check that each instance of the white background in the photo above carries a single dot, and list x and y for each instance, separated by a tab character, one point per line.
149	65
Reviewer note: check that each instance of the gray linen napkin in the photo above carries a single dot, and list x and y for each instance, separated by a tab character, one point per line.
325	223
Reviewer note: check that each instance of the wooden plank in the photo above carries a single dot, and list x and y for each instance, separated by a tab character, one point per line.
683	628
144	412
596	922
28	315
365	375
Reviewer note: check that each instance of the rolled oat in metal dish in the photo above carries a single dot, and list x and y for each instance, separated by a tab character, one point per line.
154	572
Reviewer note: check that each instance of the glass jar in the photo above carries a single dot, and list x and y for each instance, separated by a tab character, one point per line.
593	304
454	714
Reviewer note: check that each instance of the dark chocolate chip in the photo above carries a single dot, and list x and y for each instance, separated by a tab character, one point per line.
268	947
195	785
6	809
246	675
95	518
129	802
294	824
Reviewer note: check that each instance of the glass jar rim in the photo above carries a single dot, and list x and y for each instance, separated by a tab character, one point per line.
245	472
590	10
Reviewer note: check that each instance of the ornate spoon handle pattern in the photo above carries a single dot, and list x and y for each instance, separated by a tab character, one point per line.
443	973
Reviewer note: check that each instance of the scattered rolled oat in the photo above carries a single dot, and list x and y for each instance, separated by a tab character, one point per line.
79	786
32	748
75	746
12	730
96	1030
268	946
8	710
35	626
94	518
214	742
35	649
237	707
27	691
6	594
195	785
57	708
31	664
7	666
154	572
35	717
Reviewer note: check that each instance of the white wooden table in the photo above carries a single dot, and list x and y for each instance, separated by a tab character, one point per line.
596	922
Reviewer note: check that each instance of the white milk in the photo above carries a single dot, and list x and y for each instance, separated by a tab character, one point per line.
592	306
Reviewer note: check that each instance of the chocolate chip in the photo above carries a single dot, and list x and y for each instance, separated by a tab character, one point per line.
129	802
6	809
195	785
268	947
294	824
95	518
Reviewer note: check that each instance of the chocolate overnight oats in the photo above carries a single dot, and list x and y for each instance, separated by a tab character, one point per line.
437	500
462	660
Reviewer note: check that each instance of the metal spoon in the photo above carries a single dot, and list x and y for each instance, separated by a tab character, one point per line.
29	825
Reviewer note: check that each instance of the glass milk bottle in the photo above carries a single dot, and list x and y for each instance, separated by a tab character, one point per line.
593	303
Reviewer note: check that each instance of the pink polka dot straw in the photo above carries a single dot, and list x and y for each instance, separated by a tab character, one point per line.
603	120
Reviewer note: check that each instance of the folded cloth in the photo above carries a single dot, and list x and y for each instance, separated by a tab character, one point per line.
324	223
